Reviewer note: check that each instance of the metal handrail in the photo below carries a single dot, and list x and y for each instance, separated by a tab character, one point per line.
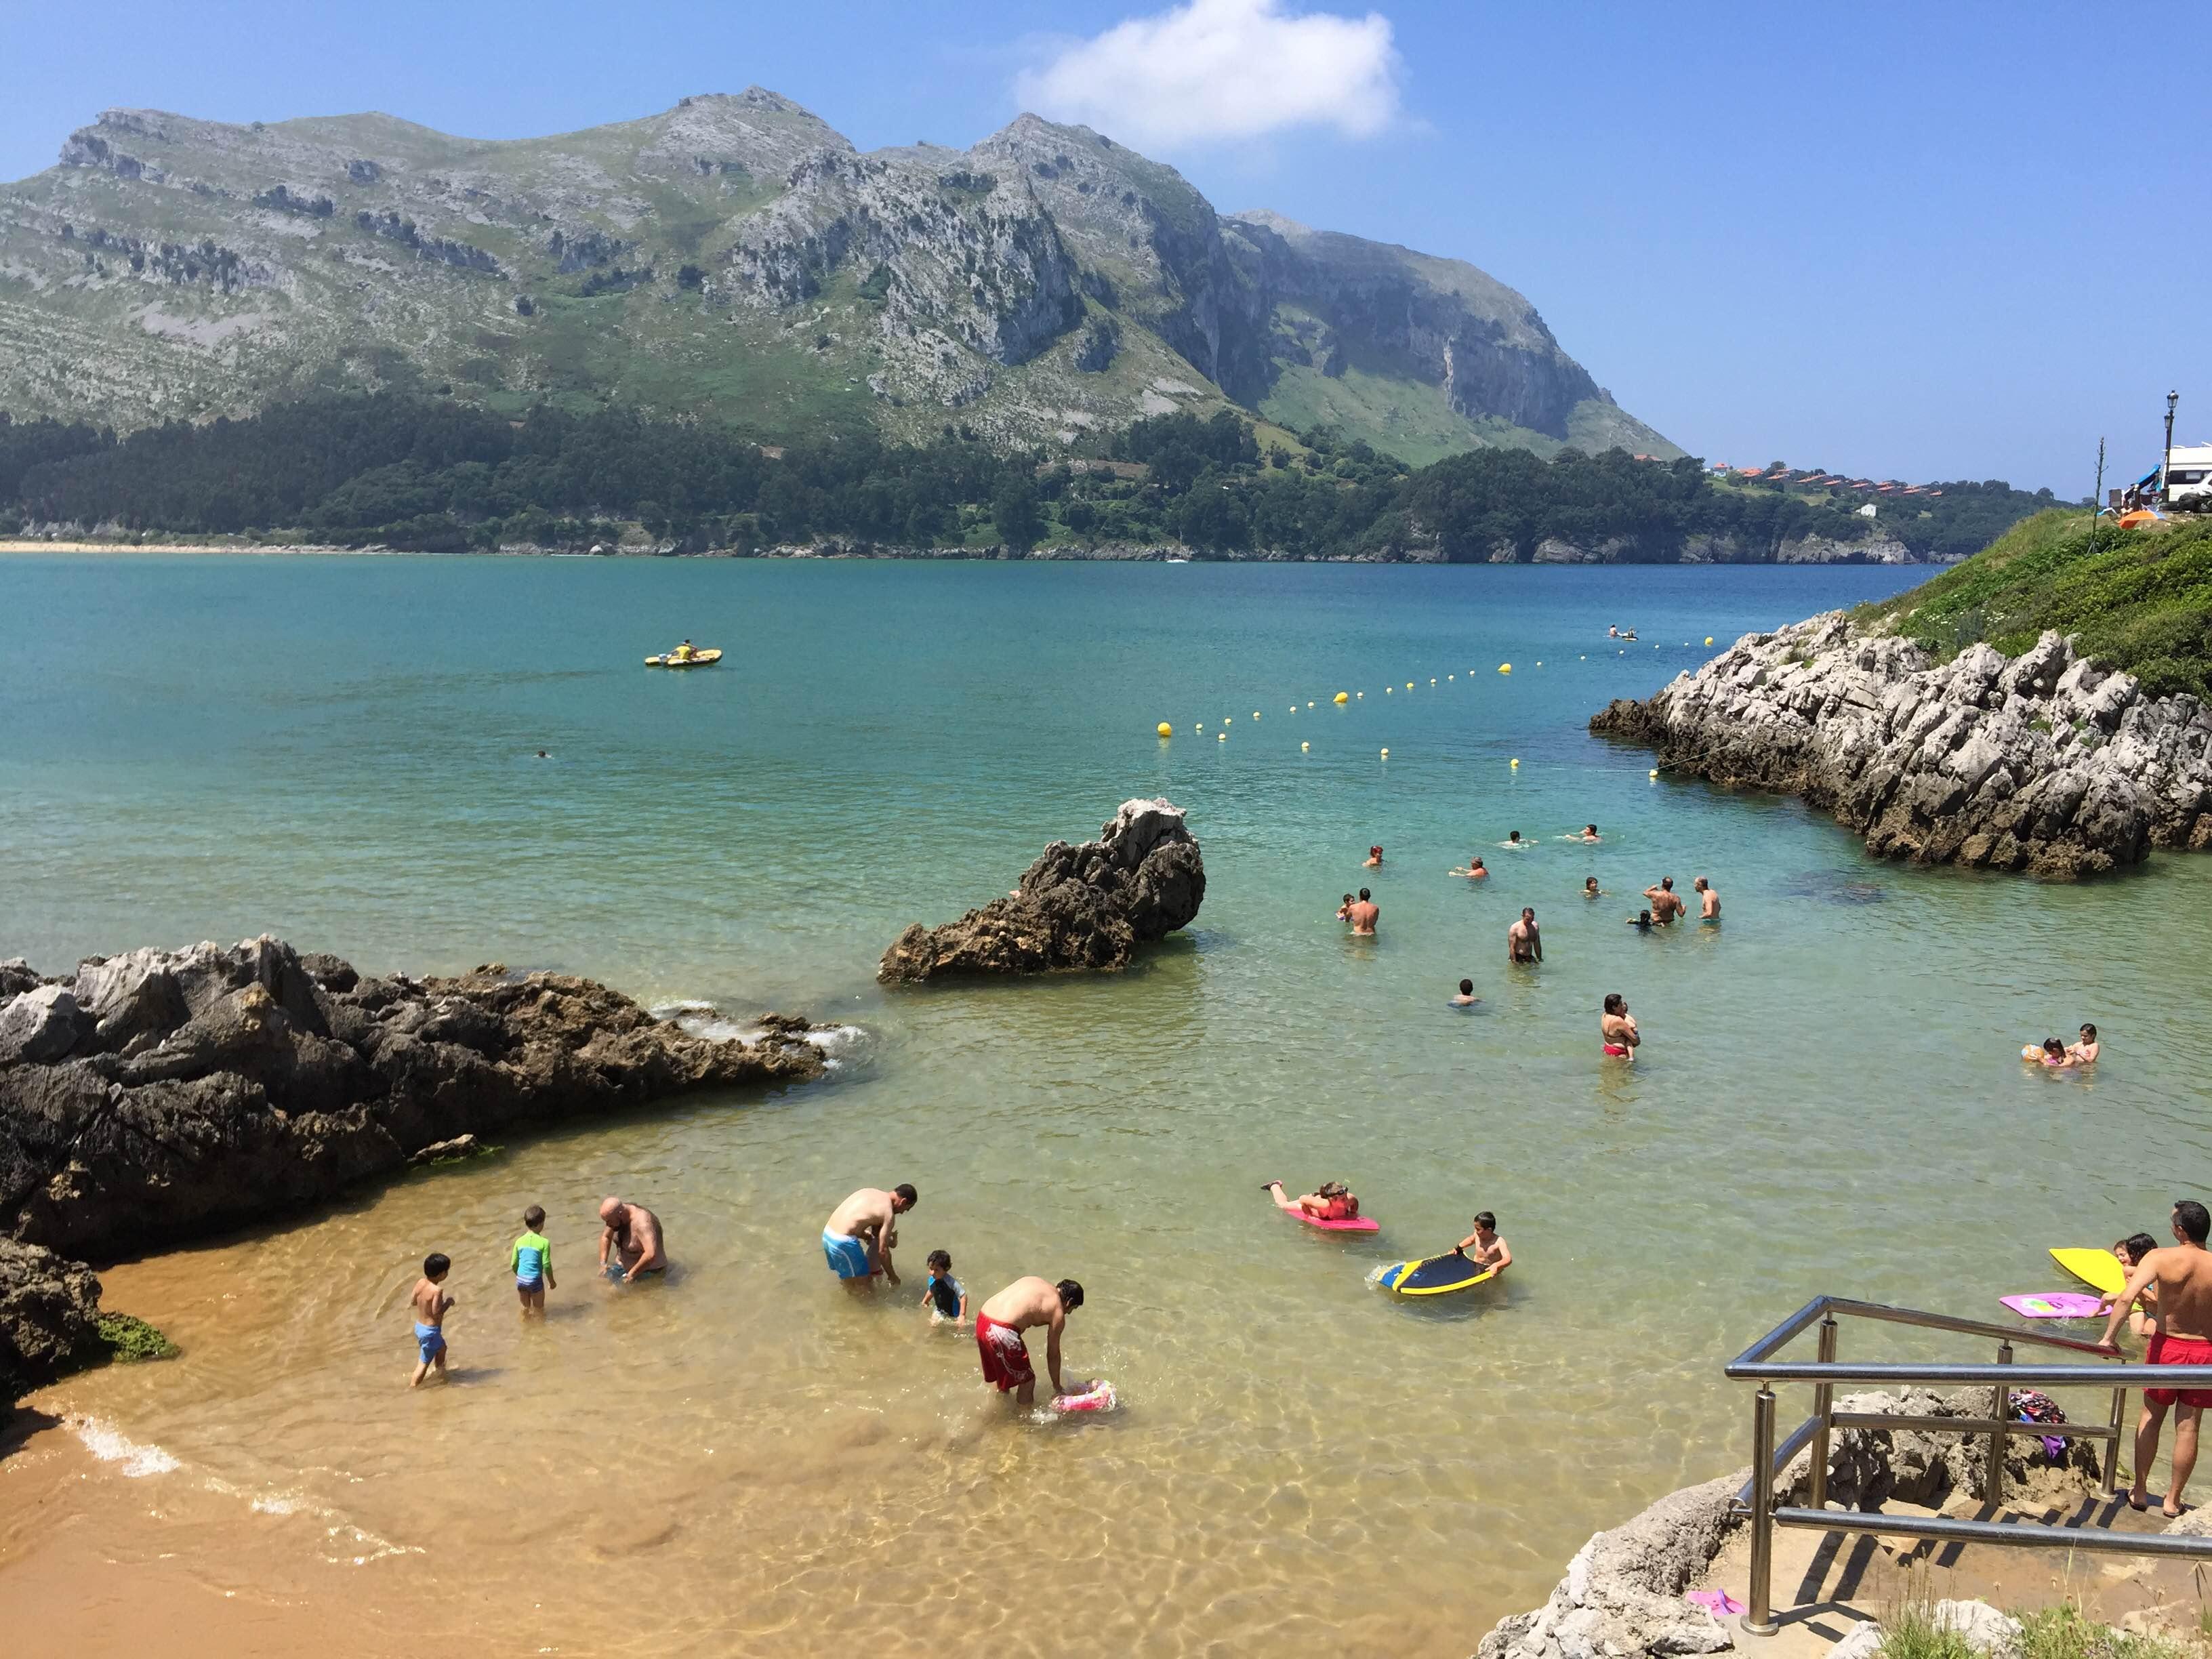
1757	1365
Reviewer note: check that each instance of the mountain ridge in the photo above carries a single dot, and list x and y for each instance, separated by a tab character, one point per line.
735	255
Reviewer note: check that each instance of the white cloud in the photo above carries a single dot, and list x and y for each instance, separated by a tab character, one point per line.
1213	70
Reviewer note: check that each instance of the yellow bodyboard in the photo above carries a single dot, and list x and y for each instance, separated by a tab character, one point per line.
2099	1270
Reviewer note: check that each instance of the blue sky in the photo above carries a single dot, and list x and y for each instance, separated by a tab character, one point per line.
1921	242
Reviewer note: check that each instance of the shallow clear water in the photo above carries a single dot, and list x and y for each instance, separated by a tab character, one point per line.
339	750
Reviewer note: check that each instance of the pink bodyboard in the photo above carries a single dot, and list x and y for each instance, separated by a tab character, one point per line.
1358	1224
2052	1305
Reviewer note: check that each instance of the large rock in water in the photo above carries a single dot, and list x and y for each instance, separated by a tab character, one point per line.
166	1094
2046	762
1077	907
48	1312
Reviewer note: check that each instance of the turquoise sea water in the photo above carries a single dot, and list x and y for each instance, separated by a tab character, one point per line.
341	750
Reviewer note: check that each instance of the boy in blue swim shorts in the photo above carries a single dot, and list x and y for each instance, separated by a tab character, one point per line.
531	1260
430	1304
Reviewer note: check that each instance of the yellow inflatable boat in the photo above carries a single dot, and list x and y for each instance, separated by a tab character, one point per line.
696	659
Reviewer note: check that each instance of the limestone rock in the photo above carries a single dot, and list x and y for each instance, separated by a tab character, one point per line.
1086	907
47	1310
2046	763
250	1083
1863	1642
37	1026
1993	1634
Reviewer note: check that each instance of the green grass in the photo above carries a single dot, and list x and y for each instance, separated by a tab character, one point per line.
2137	599
130	1341
2061	1633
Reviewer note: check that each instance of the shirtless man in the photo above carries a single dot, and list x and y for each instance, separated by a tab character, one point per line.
1708	902
1363	915
858	1237
2181	1334
1374	859
1666	903
1484	1247
1616	1029
632	1234
1523	944
1475	871
1589	832
1001	1322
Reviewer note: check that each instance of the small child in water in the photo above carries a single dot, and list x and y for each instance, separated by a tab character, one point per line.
1467	998
945	1296
1590	888
1641	922
430	1305
531	1260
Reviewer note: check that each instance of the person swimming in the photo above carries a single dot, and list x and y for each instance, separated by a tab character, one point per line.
2056	1055
2088	1048
1513	840
1589	833
1467	998
1590	888
1475	871
1332	1201
1374	859
1641	922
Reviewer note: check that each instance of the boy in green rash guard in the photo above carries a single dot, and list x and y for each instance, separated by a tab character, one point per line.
531	1261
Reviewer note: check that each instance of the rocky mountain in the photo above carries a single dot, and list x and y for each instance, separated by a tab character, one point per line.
735	255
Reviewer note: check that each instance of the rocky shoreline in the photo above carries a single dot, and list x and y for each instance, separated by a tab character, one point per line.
159	1096
2046	762
1623	1594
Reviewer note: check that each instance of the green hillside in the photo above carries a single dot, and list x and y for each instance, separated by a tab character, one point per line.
2138	599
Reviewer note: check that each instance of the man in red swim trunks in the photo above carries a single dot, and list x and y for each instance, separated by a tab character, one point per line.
1001	1322
2181	1336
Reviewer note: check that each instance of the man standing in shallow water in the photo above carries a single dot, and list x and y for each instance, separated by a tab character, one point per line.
1001	1322
2180	1335
1363	915
1665	903
858	1237
1523	944
1708	902
632	1234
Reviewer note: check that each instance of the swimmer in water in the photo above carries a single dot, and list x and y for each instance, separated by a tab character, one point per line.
1590	888
1513	838
2086	1050
1616	1029
1364	914
1334	1201
2058	1056
1374	859
1475	871
541	755
1708	902
2130	1251
1641	922
1589	832
1467	998
1484	1247
1523	944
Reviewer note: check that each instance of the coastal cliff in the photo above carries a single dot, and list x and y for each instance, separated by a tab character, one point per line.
159	1096
2045	762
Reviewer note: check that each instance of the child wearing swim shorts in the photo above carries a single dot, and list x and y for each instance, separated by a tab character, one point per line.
531	1260
945	1296
430	1304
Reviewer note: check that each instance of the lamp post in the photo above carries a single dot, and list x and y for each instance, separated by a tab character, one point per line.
2165	466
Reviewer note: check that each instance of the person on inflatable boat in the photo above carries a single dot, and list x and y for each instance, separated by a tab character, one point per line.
1483	1246
1333	1202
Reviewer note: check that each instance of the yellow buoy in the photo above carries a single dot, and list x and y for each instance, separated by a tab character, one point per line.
1221	737
1199	729
1344	696
1388	690
1432	679
1506	668
1294	708
1516	763
1540	662
1310	701
1449	676
1166	731
1709	639
1386	754
1655	772
1409	685
1304	747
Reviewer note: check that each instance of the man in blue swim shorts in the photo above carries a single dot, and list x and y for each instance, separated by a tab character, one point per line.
858	1237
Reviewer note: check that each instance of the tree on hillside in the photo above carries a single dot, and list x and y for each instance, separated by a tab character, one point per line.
1014	512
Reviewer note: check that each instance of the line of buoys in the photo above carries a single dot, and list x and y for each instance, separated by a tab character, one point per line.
1166	731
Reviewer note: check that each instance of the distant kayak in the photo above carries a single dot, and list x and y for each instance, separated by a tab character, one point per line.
696	659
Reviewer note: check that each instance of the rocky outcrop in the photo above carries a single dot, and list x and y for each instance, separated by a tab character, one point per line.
1622	1597
48	1311
1077	907
179	1091
2046	762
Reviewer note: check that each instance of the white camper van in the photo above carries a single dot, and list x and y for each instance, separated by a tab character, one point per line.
2189	476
